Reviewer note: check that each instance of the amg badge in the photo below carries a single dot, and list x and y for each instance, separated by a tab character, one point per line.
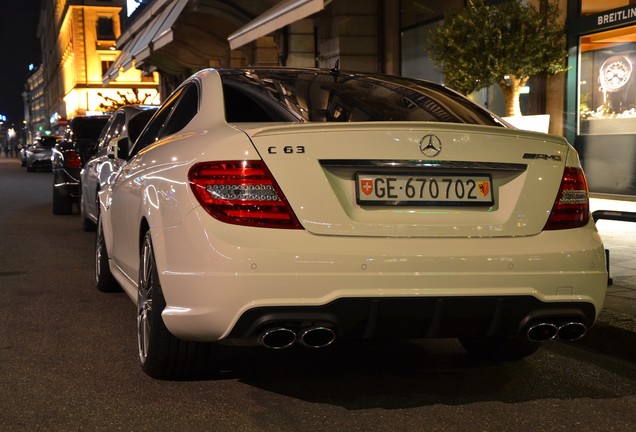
541	156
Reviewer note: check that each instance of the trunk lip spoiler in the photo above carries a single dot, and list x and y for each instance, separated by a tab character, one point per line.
419	164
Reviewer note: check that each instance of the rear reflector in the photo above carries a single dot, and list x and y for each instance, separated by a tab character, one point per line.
572	206
241	193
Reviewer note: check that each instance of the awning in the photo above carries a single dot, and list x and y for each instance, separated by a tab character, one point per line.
150	31
159	31
284	13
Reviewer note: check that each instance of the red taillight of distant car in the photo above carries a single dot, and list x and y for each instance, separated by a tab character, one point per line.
72	159
241	193
572	206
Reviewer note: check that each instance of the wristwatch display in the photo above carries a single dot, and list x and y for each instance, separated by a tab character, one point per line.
614	76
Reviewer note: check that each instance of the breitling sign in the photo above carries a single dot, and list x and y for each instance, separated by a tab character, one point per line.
616	16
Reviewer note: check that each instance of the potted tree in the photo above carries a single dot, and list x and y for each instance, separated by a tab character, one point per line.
499	42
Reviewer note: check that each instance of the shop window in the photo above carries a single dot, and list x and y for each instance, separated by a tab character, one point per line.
417	12
607	82
417	19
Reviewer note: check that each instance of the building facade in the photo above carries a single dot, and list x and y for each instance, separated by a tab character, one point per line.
35	115
179	37
78	46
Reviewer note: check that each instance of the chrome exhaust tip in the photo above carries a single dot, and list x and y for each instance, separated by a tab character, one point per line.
542	332
572	331
317	337
277	338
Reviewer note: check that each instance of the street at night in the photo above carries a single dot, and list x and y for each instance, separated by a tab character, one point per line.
68	361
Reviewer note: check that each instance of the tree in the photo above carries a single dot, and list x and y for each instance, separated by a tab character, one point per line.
502	43
110	105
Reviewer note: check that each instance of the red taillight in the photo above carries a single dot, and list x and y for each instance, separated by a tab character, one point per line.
572	206
72	159
241	193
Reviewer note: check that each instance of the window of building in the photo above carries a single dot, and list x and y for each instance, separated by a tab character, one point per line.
105	28
106	64
607	82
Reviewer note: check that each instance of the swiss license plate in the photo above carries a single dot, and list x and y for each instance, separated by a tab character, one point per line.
409	190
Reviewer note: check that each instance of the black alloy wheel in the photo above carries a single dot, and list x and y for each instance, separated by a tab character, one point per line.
104	279
163	355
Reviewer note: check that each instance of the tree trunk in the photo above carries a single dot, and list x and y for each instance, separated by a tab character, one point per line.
511	88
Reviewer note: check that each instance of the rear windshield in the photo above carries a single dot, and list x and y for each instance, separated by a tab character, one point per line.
89	128
47	142
315	96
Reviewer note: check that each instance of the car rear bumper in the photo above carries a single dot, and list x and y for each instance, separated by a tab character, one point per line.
417	317
222	281
66	182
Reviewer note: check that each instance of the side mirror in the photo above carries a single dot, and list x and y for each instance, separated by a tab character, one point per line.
118	148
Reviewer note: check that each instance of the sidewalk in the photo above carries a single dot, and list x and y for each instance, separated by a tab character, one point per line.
615	330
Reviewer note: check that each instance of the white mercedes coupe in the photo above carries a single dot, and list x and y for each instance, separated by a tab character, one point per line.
297	206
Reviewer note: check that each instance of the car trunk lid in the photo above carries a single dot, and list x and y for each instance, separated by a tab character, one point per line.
396	179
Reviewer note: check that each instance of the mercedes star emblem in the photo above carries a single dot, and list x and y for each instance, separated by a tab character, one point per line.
430	145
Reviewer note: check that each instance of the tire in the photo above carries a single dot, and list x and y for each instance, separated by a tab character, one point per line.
104	279
162	355
499	348
61	202
30	168
86	223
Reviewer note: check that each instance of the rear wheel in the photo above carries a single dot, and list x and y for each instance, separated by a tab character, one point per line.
62	203
104	280
499	348
163	355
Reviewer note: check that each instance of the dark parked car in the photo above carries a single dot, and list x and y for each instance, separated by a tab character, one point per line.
38	155
125	124
69	155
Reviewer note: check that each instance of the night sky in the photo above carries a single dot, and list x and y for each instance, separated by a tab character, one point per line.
20	47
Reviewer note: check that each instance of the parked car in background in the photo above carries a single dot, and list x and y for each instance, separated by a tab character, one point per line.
69	155
124	124
38	155
301	206
22	149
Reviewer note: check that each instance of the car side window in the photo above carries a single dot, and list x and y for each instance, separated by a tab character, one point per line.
112	130
151	133
185	110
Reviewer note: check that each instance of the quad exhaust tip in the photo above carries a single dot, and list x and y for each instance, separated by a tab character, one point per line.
277	338
283	337
317	337
546	331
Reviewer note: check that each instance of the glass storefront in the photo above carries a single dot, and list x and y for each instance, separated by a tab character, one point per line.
607	82
417	19
601	113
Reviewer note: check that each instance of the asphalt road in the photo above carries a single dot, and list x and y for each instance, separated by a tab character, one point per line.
68	361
